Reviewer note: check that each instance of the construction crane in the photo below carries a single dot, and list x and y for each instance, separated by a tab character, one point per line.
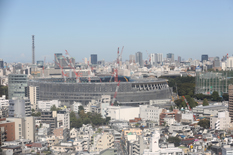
114	98
189	107
57	62
44	66
116	69
71	65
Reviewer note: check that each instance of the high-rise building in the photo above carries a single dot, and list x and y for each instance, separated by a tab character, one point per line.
94	59
230	103
216	62
179	59
204	57
57	57
1	63
170	57
132	59
19	107
16	85
139	59
24	127
63	119
160	57
33	95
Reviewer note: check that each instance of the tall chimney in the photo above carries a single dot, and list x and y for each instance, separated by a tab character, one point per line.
33	50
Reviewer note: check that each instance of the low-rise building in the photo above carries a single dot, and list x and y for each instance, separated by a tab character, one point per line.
221	121
46	105
150	113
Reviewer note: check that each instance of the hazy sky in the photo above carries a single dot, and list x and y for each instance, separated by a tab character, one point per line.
83	27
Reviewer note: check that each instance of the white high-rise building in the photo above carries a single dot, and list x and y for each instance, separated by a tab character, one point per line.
160	57
63	119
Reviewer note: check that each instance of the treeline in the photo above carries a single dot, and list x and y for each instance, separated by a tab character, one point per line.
87	118
4	91
213	97
184	85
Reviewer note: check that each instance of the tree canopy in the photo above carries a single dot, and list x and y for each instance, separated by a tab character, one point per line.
204	123
174	140
205	102
4	91
54	108
181	103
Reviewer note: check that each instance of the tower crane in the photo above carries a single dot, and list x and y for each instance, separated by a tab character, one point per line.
114	98
189	107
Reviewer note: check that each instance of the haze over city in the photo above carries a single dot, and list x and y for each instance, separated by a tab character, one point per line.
185	28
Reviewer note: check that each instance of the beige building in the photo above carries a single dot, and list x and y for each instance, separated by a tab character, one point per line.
33	96
63	119
24	128
103	141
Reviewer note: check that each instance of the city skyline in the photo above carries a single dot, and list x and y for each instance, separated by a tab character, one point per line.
187	29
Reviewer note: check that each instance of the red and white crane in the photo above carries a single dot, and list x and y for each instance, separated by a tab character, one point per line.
189	107
114	98
71	65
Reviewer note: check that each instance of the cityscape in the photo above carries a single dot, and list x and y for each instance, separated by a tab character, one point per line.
123	100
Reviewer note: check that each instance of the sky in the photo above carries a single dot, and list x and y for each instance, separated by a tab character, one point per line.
83	27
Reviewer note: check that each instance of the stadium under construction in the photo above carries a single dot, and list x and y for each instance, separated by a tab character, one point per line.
131	91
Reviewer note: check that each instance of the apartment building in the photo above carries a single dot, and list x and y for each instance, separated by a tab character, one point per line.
61	133
7	130
221	121
103	141
3	101
47	118
24	127
19	107
150	113
63	118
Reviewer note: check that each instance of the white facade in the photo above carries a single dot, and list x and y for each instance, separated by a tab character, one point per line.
75	106
229	63
3	101
220	122
46	105
122	113
63	119
150	112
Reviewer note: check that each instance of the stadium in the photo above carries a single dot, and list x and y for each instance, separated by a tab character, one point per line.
131	91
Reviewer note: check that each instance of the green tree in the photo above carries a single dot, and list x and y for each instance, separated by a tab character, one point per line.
225	97
4	91
80	108
174	140
86	120
205	102
215	96
204	123
53	108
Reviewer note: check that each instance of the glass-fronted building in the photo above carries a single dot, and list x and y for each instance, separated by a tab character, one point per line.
17	85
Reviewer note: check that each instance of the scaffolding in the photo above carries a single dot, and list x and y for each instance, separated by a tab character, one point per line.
208	82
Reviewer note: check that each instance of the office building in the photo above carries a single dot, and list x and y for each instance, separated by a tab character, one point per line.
230	103
154	59
17	84
132	59
170	57
40	63
179	59
19	107
139	59
1	63
24	127
204	57
148	112
94	59
33	95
